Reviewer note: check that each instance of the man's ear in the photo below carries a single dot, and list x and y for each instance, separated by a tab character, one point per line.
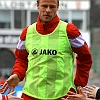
58	6
37	4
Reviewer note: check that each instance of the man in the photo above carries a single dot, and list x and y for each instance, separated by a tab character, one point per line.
44	56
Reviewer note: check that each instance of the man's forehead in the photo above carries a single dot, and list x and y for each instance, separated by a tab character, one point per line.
48	1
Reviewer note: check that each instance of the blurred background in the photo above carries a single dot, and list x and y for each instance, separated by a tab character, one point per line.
17	14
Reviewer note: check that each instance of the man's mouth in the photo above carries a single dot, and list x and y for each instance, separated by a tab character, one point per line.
47	15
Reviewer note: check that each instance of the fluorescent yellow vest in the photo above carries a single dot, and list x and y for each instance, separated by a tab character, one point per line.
50	67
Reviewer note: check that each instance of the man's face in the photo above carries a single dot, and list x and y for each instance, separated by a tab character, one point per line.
47	9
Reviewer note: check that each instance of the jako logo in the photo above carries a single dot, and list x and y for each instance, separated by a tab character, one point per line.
48	52
44	52
34	51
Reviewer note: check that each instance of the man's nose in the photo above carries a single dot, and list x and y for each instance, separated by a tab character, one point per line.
48	9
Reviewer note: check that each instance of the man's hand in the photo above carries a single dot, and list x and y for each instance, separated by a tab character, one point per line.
78	88
10	83
80	96
91	91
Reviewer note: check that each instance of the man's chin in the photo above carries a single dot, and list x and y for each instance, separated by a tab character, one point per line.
46	21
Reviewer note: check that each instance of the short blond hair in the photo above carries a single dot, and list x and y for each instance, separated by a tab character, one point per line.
39	0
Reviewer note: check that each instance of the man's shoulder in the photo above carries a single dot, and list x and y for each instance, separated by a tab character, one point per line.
23	33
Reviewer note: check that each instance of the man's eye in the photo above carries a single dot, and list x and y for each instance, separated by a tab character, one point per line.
52	6
44	6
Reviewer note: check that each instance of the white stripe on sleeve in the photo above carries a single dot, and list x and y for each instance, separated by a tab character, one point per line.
21	45
77	42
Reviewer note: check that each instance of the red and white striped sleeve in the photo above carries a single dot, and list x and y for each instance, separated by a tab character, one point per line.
21	54
83	58
3	97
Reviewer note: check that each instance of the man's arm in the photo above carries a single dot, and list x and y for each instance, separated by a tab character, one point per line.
20	65
83	58
21	62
